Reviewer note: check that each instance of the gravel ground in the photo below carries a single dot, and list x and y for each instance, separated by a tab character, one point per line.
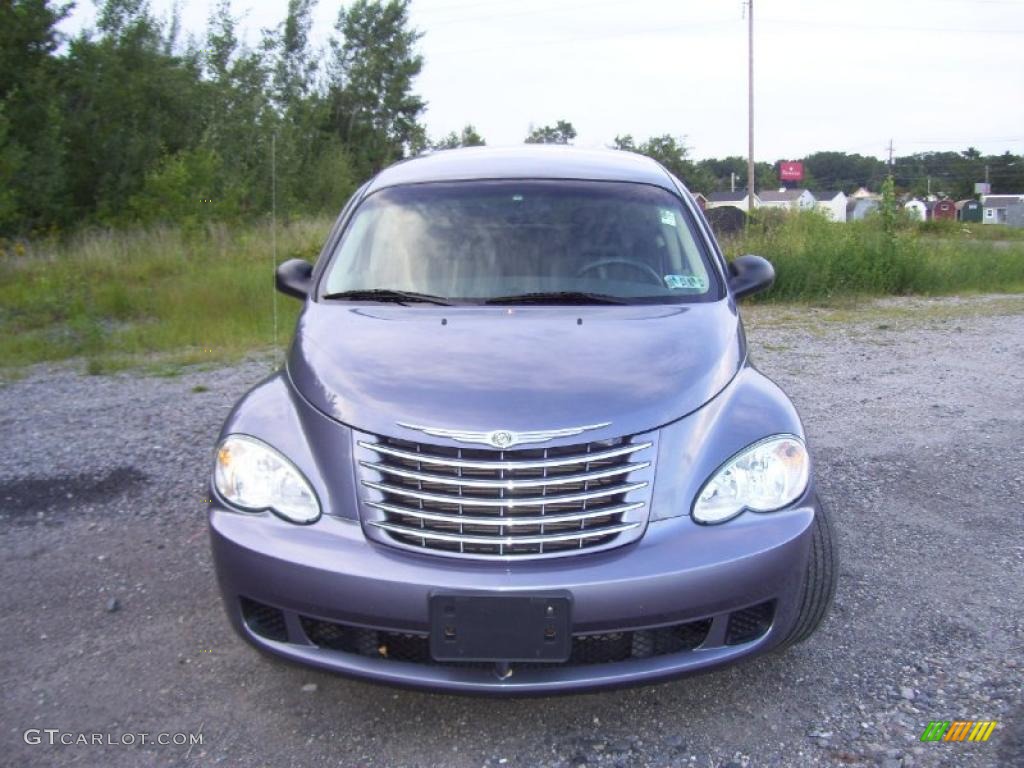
915	412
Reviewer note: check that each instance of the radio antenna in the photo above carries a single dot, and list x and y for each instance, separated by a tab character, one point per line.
273	224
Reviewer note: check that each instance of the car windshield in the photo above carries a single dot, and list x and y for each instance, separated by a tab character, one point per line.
522	241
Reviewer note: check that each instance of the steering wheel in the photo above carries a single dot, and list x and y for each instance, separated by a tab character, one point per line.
647	269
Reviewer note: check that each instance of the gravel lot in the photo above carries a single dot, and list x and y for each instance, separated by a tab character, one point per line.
915	412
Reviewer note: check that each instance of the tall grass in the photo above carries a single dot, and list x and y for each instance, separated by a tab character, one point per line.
115	296
120	297
817	259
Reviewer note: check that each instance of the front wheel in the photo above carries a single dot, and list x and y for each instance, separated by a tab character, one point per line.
819	586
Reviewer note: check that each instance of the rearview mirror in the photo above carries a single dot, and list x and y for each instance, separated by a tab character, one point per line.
294	278
750	274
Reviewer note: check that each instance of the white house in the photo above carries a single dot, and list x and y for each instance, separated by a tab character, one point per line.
789	199
832	204
917	209
739	199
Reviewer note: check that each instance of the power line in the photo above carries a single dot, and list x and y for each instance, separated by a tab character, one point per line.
618	34
492	15
899	28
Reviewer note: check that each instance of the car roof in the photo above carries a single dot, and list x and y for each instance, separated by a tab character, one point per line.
529	161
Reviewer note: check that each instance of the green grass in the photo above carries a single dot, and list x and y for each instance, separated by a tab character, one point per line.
970	231
162	298
166	299
818	260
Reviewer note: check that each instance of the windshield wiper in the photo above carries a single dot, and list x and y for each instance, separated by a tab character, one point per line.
386	294
557	297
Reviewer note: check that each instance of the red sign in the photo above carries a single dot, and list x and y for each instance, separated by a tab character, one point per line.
791	171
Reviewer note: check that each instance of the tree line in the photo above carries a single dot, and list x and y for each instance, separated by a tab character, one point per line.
130	122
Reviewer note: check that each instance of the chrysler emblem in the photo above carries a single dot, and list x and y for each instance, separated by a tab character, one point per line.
503	438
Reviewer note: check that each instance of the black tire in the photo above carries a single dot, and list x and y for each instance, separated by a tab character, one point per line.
819	587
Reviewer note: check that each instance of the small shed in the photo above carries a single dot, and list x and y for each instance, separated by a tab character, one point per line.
700	200
997	208
917	209
858	208
943	210
968	210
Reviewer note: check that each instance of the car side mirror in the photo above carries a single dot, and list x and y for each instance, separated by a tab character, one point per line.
750	274
294	278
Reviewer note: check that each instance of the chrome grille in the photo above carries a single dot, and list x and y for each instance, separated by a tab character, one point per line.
521	503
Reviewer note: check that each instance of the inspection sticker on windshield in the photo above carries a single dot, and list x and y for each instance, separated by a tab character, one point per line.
686	281
668	217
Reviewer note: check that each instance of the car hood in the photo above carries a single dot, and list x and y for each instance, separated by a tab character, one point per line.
514	368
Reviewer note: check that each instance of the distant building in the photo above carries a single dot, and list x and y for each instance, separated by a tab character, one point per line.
863	193
832	203
739	199
917	209
700	200
858	208
942	210
1003	209
789	199
968	210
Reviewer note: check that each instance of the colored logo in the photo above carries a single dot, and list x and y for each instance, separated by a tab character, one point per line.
958	730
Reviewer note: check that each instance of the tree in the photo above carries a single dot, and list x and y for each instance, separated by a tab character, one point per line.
295	70
467	138
32	153
373	108
673	154
561	132
127	105
765	175
239	115
626	143
843	171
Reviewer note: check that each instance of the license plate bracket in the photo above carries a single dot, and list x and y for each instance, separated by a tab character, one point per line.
486	628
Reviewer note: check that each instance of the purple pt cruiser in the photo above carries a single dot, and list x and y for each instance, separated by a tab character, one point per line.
518	445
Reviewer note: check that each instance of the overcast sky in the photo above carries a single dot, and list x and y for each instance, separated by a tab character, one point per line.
929	74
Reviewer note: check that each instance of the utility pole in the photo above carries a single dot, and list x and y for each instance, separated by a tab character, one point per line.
750	105
732	181
890	156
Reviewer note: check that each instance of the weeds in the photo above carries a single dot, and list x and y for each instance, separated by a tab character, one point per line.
165	298
818	260
116	297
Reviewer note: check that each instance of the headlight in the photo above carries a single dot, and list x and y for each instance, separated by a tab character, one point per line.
252	475
768	475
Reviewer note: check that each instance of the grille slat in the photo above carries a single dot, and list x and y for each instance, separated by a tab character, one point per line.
458	461
503	540
482	502
538	482
499	502
518	520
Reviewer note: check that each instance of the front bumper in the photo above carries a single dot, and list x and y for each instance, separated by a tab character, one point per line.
679	573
